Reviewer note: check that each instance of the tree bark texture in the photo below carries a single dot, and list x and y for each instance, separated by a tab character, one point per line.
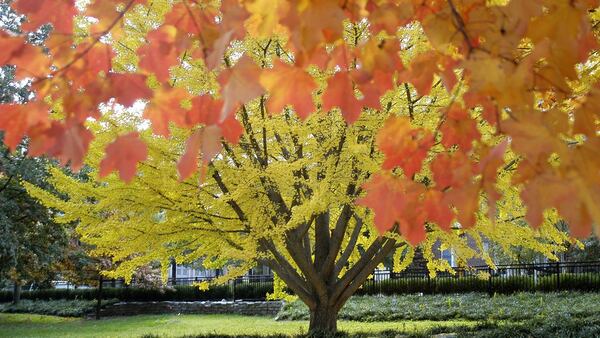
323	320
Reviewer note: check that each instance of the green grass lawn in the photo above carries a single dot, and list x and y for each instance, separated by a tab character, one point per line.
27	325
531	315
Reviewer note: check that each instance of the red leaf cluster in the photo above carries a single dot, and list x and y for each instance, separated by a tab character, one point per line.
480	41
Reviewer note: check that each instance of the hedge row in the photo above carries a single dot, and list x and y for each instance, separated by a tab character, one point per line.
131	294
442	285
509	284
63	308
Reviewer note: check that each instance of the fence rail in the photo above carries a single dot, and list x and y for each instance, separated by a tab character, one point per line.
583	276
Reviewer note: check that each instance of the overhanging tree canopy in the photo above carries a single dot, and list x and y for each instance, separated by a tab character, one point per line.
519	75
513	62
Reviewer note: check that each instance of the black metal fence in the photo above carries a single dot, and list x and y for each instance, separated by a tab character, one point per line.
251	287
250	279
582	276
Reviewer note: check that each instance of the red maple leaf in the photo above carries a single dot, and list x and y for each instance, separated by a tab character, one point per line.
59	13
17	119
459	128
160	53
239	85
204	142
289	85
340	93
403	146
123	155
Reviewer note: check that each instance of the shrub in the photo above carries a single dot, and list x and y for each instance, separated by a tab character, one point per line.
469	306
177	293
63	308
498	284
556	326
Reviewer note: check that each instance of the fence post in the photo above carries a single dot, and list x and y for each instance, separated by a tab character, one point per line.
173	272
233	290
99	296
429	288
558	276
490	282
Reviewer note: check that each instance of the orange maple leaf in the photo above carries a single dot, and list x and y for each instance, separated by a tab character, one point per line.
289	85
383	193
459	128
59	13
396	201
239	85
160	53
29	60
563	194
127	88
123	155
489	163
403	146
466	201
340	93
68	142
166	107
437	209
17	119
373	86
97	58
452	170
204	142
206	110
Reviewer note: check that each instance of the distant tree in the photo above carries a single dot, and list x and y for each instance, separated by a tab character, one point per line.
30	241
588	250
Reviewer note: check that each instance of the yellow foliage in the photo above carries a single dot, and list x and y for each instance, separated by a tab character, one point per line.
309	164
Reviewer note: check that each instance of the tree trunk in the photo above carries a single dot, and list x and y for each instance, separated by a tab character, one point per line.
323	321
17	292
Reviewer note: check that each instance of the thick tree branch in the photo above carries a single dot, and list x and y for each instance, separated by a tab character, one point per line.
337	237
350	246
293	281
264	128
231	154
411	108
351	274
364	273
322	241
307	247
286	271
307	268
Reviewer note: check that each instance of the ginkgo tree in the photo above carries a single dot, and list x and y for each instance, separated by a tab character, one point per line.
283	196
520	80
